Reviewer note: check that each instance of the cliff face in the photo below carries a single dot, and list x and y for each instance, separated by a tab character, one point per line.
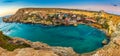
113	48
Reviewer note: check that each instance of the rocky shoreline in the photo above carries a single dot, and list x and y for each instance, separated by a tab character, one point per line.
42	49
34	48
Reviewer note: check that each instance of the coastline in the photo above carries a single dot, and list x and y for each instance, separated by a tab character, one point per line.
106	40
89	53
110	31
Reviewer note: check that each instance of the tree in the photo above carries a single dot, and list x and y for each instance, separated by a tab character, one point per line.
98	18
105	25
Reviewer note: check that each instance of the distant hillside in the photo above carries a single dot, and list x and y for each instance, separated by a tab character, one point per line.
21	13
58	16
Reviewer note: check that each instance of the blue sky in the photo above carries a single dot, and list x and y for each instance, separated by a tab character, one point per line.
57	2
112	6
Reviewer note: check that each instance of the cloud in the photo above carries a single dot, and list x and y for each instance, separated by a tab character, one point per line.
115	5
9	1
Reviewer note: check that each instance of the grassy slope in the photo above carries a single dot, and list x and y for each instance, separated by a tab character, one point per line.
4	43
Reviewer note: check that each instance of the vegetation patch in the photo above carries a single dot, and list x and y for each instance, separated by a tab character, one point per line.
7	43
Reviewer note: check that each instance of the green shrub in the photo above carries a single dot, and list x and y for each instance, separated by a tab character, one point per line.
4	43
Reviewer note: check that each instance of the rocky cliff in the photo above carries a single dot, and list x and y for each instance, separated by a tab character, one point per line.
110	25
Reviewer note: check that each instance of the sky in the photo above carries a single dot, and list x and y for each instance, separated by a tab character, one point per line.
8	7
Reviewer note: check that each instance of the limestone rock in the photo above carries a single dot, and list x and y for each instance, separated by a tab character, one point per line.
104	42
37	49
112	49
117	40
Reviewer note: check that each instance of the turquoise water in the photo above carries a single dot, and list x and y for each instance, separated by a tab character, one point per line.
82	38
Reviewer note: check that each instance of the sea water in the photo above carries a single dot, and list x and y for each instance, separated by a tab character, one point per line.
82	38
